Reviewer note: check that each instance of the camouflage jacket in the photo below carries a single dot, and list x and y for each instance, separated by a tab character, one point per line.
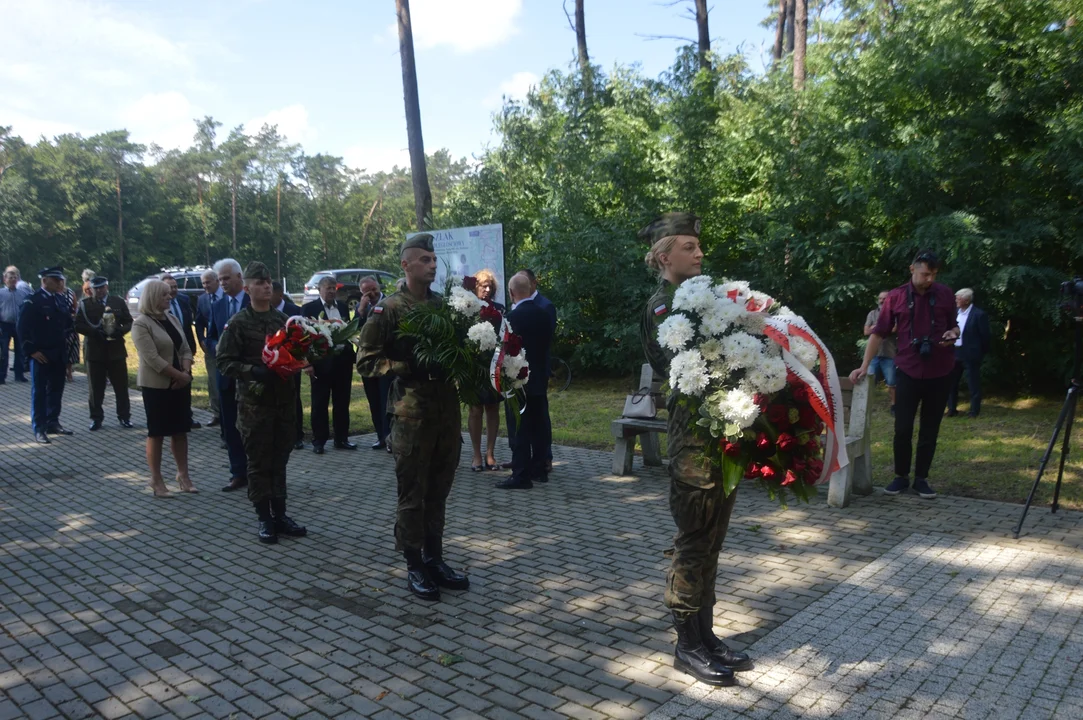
383	352
241	347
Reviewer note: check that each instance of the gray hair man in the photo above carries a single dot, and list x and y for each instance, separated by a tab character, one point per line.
12	296
972	345
212	293
233	300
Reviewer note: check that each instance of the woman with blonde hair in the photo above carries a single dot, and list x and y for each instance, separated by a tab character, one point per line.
88	275
165	379
490	400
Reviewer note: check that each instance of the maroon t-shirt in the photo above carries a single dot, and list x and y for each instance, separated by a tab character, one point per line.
896	313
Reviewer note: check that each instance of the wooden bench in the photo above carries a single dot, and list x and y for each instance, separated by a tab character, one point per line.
626	430
855	478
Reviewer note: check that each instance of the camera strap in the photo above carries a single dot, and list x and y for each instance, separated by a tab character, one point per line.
910	305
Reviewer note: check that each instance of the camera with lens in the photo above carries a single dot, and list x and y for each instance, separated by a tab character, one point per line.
924	346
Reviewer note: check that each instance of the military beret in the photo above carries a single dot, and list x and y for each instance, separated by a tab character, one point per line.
257	271
52	272
674	223
421	240
98	281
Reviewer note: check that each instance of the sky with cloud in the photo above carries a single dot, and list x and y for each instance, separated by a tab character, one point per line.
325	71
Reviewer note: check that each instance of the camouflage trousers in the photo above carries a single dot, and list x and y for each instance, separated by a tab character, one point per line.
702	514
268	434
426	457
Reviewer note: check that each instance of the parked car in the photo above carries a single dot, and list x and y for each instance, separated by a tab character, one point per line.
349	284
189	284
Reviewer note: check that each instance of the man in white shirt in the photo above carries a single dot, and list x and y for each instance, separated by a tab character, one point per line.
970	348
12	295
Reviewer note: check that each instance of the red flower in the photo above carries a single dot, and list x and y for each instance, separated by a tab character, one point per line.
786	442
763	443
489	312
523	373
513	345
470	283
798	465
790	478
812	447
752	471
767	472
807	417
779	416
729	448
800	393
814	470
761	401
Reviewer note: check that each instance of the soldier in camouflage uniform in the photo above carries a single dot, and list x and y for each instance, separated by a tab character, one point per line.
696	498
426	434
265	405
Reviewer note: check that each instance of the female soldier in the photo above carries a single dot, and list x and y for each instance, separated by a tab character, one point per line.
700	508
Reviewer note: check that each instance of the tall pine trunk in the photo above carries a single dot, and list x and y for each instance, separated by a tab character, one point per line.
418	171
704	35
583	55
790	10
780	30
800	44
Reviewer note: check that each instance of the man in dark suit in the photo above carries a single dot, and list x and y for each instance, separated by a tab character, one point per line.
180	307
376	388
289	308
105	320
233	301
543	302
529	451
43	330
332	379
970	348
212	293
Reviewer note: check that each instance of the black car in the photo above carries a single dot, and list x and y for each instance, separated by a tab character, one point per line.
189	284
349	283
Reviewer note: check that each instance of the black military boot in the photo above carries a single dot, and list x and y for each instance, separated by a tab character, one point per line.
418	580
736	661
692	657
283	524
267	532
440	571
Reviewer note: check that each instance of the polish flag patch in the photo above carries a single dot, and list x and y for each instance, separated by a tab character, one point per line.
379	310
661	310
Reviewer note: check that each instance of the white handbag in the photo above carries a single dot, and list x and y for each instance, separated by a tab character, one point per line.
640	404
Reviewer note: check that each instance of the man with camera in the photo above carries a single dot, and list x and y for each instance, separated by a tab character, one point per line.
922	314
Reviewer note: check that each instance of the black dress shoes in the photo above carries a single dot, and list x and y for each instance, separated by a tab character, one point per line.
345	445
299	445
379	445
285	526
235	484
42	438
267	534
543	478
513	484
126	423
736	661
195	425
445	576
215	422
421	585
318	449
95	426
58	430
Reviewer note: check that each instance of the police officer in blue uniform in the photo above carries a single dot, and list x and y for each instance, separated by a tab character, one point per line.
43	330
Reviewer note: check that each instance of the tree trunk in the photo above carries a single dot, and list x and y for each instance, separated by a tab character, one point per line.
203	218
800	44
418	171
584	57
278	228
780	31
790	10
120	232
233	210
704	35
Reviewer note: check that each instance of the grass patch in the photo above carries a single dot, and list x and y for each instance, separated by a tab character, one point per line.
994	457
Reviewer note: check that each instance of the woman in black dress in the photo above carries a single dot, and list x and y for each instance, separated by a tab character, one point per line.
165	378
490	400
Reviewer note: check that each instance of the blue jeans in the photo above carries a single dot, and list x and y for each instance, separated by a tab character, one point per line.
886	366
9	335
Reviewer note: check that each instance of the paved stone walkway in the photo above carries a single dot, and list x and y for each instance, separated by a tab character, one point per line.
116	604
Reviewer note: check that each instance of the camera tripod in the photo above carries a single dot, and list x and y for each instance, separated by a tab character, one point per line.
1064	420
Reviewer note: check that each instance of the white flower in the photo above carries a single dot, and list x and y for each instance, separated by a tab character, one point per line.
767	377
785	312
718	317
741	350
483	334
739	408
805	352
753	322
676	332
694	294
688	373
464	302
724	290
711	350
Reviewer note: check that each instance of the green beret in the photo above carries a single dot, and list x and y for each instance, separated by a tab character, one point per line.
257	271
674	223
421	240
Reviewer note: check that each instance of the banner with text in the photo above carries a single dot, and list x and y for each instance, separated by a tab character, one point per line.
465	251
